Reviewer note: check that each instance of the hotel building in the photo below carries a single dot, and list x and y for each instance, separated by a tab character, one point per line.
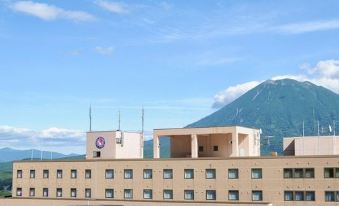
207	166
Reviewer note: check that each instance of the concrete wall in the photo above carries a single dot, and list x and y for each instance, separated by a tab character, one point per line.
131	147
272	184
323	145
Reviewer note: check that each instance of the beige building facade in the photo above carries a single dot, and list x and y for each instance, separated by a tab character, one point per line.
207	167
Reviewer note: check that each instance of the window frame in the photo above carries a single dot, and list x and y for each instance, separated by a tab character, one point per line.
128	171
90	193
74	174
253	172
107	171
167	171
131	194
170	192
148	171
57	192
88	171
45	174
109	190
191	192
189	171
214	172
229	172
151	194
260	193
236	192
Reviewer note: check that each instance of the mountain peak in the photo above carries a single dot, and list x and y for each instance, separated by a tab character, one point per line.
279	107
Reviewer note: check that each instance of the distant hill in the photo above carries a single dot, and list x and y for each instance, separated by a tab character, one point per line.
8	154
279	109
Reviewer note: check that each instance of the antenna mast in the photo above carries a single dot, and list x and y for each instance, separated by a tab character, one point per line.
303	128
90	117
119	120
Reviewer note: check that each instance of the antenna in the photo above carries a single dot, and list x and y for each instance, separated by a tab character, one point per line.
333	127
318	129
303	128
142	120
119	120
41	154
51	155
90	117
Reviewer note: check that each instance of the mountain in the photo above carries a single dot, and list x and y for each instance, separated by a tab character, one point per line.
8	154
279	109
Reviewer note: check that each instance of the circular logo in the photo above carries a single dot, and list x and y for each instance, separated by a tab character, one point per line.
100	142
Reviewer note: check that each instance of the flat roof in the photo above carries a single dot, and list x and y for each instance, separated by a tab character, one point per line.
211	127
185	159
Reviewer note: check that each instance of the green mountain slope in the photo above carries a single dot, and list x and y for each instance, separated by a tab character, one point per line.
279	109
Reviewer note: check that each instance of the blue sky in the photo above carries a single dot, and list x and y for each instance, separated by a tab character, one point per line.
181	60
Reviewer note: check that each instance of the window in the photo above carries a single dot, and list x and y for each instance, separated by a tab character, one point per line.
329	196
256	173
31	192
329	172
59	174
59	192
201	148
233	173
109	193
299	196
337	173
215	148
147	173
128	174
96	154
73	192
88	174
19	173
19	191
109	174
45	174
233	195
148	194
298	173
257	195
310	196
45	192
288	196
168	194
189	174
288	173
210	174
88	193
189	194
337	196
32	174
73	174
168	173
309	173
128	194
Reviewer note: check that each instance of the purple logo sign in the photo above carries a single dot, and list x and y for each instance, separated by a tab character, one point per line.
100	142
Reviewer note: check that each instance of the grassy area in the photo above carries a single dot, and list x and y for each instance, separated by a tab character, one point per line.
5	177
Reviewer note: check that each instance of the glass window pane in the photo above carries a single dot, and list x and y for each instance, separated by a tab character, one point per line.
128	194
288	173
189	174
337	173
109	193
73	174
59	192
109	174
45	174
211	195
298	173
128	174
88	193
309	173
210	174
257	195
310	196
168	173
256	173
59	174
329	196
147	194
233	174
18	192
168	194
147	173
73	192
189	195
288	196
299	195
233	195
329	172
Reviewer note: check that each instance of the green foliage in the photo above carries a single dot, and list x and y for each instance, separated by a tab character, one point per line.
279	108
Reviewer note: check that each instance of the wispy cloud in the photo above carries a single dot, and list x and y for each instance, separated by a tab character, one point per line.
49	12
113	7
46	139
304	27
324	73
104	50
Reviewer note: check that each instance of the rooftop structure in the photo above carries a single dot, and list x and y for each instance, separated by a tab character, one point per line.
221	142
311	145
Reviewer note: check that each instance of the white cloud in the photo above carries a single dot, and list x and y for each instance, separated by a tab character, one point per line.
113	7
49	12
104	50
325	73
46	139
303	27
231	93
